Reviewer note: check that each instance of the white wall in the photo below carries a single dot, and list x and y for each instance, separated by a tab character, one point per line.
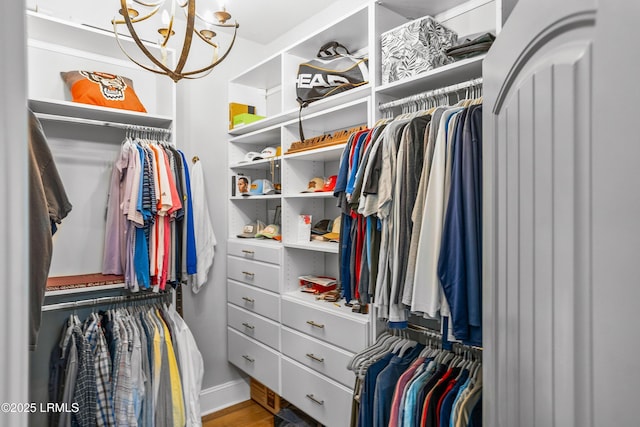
317	21
203	122
13	186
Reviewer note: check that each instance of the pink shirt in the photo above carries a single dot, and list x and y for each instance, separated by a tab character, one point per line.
400	385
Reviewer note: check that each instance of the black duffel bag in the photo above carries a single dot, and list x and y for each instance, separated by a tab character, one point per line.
334	71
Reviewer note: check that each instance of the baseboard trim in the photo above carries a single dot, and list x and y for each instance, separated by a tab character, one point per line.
224	395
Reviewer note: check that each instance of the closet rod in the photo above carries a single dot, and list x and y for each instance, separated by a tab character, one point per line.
67	119
436	334
103	300
430	93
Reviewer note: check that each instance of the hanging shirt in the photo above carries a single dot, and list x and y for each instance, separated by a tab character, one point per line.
427	292
418	208
48	206
205	238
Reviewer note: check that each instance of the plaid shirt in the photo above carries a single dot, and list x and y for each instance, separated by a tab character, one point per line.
85	388
104	403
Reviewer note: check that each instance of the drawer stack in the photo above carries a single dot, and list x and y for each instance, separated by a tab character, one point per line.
318	340
253	310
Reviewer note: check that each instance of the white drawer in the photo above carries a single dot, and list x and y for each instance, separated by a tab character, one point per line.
257	360
344	332
266	276
254	299
324	400
324	358
257	327
252	251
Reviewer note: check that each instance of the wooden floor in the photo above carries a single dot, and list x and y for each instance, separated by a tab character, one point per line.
245	414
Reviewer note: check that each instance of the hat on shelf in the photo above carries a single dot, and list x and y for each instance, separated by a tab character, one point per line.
334	235
251	156
249	231
269	152
271	231
329	184
315	184
260	187
322	227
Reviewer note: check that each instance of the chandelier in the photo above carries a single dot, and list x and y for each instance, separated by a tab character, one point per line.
198	24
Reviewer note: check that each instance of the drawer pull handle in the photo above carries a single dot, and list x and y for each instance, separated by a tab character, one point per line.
249	300
248	252
317	325
313	399
316	358
246	325
248	359
246	273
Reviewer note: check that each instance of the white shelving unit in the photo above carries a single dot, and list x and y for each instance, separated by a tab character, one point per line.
85	139
270	86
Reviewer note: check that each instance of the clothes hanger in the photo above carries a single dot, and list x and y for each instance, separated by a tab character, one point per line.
356	357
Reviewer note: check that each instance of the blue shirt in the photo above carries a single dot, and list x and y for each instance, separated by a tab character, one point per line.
192	260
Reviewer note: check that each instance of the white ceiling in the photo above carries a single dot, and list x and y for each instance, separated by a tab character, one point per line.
262	21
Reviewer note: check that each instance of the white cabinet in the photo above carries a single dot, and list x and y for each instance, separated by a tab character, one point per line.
321	321
323	399
254	358
317	337
257	327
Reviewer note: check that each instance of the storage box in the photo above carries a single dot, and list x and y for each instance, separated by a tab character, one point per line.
266	397
294	417
236	109
245	118
415	47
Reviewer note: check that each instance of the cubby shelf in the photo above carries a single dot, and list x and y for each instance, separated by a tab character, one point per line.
329	247
456	72
290	116
321	154
262	197
263	164
318	195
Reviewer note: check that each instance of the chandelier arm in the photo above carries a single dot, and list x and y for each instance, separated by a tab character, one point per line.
209	67
188	37
209	42
182	6
151	4
136	20
204	73
166	71
140	45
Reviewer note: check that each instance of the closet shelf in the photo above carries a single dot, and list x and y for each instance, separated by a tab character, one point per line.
318	195
81	290
268	243
328	247
265	136
291	116
264	164
72	111
321	154
465	69
264	197
310	300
